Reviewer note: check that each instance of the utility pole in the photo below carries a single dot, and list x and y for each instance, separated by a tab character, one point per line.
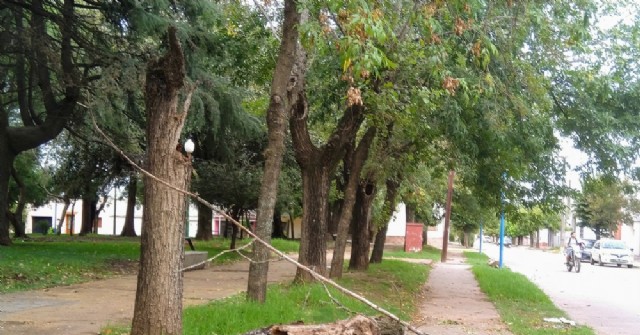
445	234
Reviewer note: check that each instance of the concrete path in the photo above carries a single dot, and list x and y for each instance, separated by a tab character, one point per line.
86	308
454	304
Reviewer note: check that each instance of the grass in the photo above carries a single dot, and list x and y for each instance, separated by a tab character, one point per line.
521	304
392	284
428	252
52	260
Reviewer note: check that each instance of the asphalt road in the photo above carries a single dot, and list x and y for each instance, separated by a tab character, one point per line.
606	298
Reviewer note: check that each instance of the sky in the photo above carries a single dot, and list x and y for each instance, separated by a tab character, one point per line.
574	158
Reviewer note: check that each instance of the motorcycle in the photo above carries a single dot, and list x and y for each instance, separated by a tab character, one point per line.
573	263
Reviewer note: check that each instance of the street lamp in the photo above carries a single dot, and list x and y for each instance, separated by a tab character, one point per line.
189	147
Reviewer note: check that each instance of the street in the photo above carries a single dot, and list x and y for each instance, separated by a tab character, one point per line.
606	298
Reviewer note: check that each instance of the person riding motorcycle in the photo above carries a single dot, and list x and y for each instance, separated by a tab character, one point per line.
572	243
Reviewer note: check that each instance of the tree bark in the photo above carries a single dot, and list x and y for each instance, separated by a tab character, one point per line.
357	325
7	157
235	215
278	227
158	305
390	201
360	245
282	98
16	217
89	205
315	196
205	220
317	165
354	162
129	228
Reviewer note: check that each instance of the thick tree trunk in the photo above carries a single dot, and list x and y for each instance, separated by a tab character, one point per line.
6	164
205	220
235	215
282	98
313	252
361	220
317	164
16	217
129	228
158	305
89	205
390	201
278	227
354	162
335	208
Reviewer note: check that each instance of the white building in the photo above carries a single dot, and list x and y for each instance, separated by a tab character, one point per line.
111	220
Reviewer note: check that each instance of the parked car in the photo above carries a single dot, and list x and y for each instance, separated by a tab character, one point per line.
507	241
585	255
608	251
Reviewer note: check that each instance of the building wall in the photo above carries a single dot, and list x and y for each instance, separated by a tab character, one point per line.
112	216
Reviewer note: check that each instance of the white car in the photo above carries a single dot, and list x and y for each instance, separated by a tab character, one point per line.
611	252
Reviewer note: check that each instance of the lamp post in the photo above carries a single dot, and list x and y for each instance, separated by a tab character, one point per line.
189	147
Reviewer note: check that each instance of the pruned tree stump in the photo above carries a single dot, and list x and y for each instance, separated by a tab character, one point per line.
358	325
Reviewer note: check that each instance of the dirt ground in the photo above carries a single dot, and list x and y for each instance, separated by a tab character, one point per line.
452	305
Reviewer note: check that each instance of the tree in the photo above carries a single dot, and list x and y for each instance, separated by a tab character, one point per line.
45	76
158	306
283	97
128	229
603	204
27	186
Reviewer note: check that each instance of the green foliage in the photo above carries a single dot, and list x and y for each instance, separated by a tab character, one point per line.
521	304
604	203
34	177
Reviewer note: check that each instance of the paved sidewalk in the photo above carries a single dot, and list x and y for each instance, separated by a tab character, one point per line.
454	304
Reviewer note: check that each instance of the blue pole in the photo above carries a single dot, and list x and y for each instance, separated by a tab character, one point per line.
481	237
504	176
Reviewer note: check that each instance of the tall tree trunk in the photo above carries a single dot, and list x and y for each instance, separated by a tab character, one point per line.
315	191
129	228
335	207
360	245
235	214
158	305
390	202
88	215
6	164
282	98
353	162
205	220
16	217
278	227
